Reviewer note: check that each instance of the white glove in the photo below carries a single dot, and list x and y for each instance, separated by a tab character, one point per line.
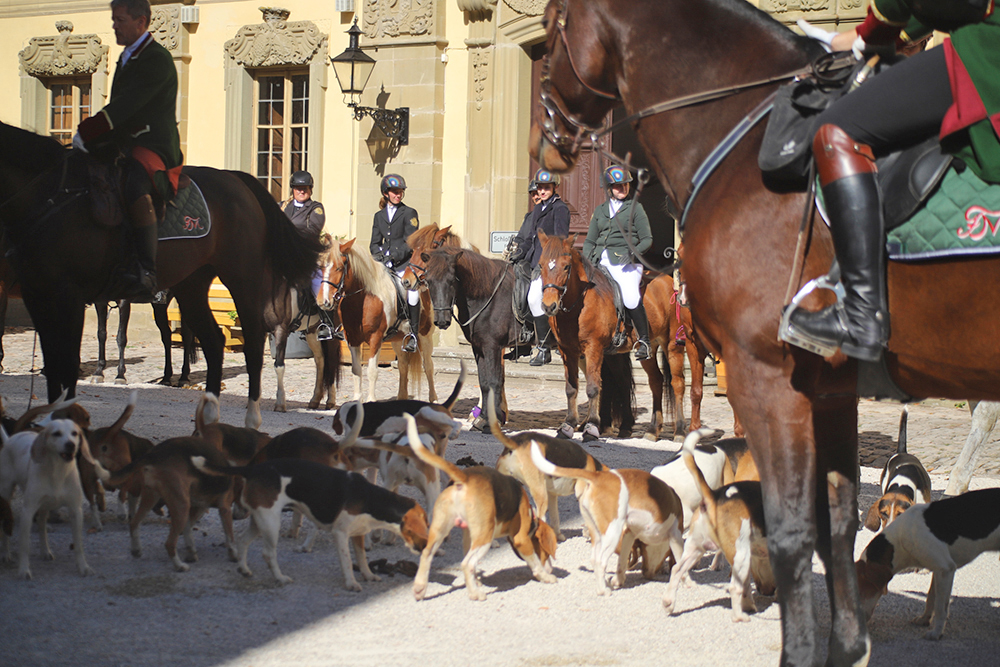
820	35
78	143
858	48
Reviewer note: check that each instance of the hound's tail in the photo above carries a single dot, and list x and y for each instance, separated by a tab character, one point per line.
458	387
204	466
498	433
359	420
116	428
690	442
901	444
59	404
456	474
208	401
548	468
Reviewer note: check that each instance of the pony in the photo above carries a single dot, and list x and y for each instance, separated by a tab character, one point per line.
65	256
681	71
364	296
579	301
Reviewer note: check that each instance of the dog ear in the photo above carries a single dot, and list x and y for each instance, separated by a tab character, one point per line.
873	521
85	449
546	538
39	446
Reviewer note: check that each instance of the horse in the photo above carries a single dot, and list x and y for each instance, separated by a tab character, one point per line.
681	72
363	294
579	301
65	255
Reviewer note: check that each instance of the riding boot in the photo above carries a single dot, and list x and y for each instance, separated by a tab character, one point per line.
543	333
410	340
141	281
848	176
640	322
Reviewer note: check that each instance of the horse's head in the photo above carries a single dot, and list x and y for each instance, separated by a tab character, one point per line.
334	268
579	84
561	268
441	280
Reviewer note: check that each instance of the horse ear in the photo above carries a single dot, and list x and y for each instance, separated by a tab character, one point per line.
425	257
572	240
542	236
346	246
445	230
326	239
458	254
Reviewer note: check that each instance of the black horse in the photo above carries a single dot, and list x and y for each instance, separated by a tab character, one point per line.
65	256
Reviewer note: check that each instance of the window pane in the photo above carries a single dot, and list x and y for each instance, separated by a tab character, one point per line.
277	113
84	101
277	140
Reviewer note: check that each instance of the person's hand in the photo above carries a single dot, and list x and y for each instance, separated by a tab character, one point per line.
858	47
824	37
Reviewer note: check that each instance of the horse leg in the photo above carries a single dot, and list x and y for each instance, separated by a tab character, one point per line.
356	370
984	420
250	306
60	331
571	369
124	314
166	335
427	359
3	318
696	358
654	377
280	347
489	366
403	362
675	358
192	298
317	351
101	310
374	348
592	373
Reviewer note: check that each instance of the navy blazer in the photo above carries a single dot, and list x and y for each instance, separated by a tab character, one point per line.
552	219
389	238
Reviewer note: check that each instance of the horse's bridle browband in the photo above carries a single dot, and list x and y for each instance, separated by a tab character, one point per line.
562	289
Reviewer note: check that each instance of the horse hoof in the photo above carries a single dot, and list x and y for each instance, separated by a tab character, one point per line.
652	436
96	379
590	433
121	381
565	431
481	424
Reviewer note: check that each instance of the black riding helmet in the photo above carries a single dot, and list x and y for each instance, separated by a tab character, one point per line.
392	181
301	179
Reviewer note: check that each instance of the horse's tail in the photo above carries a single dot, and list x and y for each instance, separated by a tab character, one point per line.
617	392
331	362
293	255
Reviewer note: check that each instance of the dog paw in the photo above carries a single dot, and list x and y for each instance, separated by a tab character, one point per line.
285	579
353	586
371	577
86	570
181	567
24	574
934	635
668	605
477	595
191	557
923	620
48	555
245	571
304	548
740	618
547	578
560	537
419	591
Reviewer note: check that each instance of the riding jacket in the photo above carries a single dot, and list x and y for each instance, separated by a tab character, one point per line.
973	58
605	233
308	218
551	217
389	237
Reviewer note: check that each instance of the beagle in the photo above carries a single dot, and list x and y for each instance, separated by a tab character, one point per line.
168	474
732	519
115	448
485	504
43	465
544	489
904	483
238	443
941	537
342	502
622	507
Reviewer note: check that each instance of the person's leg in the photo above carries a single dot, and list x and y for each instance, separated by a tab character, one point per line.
542	331
629	278
142	214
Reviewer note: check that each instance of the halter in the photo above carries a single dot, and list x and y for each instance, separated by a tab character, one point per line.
562	289
451	306
338	288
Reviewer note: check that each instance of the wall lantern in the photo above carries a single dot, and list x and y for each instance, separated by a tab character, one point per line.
353	67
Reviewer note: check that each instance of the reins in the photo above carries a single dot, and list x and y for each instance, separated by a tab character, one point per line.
451	308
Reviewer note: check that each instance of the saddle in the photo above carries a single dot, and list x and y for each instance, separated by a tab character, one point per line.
621	327
523	275
401	303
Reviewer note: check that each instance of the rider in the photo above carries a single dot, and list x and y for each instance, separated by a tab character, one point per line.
550	215
606	244
952	91
522	272
140	119
391	226
305	213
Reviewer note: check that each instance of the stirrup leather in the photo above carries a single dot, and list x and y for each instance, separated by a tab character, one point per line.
789	334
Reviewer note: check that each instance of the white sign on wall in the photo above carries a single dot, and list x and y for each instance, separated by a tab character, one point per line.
499	241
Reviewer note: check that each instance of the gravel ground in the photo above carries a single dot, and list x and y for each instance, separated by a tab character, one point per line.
138	611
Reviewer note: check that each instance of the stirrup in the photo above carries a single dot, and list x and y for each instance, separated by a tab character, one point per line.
646	349
409	343
324	332
789	334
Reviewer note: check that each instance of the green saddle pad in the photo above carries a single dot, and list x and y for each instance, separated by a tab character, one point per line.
961	218
187	216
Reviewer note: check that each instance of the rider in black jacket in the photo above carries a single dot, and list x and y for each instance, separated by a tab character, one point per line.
391	226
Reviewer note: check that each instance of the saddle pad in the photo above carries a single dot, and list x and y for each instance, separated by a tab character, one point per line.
187	216
961	218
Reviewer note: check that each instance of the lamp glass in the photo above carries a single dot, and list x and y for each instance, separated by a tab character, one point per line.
353	68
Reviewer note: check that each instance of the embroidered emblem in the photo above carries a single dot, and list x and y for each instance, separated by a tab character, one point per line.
978	222
192	224
319	210
552	265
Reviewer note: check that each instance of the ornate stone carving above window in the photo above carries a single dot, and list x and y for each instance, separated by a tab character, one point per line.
64	54
476	5
528	7
165	26
276	41
391	19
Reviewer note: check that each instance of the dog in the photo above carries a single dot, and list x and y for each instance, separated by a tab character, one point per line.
622	507
43	465
904	483
168	474
941	536
485	504
114	448
238	443
732	519
377	412
544	489
342	502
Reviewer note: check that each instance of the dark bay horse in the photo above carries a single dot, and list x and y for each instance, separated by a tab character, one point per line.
799	410
582	314
64	257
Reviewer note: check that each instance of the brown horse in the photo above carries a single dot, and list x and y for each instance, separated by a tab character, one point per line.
65	257
799	410
364	296
582	314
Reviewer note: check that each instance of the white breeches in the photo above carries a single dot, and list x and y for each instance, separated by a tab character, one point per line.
628	277
535	298
412	296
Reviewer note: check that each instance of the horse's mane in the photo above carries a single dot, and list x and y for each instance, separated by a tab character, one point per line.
422	237
596	276
373	278
27	150
753	18
482	266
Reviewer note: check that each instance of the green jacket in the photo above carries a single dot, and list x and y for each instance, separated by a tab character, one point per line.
604	233
142	110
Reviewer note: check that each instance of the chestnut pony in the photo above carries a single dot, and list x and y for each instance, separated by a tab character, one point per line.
64	257
799	410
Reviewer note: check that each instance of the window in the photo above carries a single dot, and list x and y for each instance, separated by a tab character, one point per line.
281	128
69	103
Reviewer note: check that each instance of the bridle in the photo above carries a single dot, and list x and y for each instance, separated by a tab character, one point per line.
562	289
338	288
454	297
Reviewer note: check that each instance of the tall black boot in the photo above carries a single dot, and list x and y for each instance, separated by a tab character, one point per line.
860	327
543	333
141	281
410	340
642	348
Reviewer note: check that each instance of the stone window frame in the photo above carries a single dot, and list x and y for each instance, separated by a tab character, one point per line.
288	168
275	43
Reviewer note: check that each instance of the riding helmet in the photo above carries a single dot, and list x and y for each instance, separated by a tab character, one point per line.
543	177
301	179
616	174
532	186
392	181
